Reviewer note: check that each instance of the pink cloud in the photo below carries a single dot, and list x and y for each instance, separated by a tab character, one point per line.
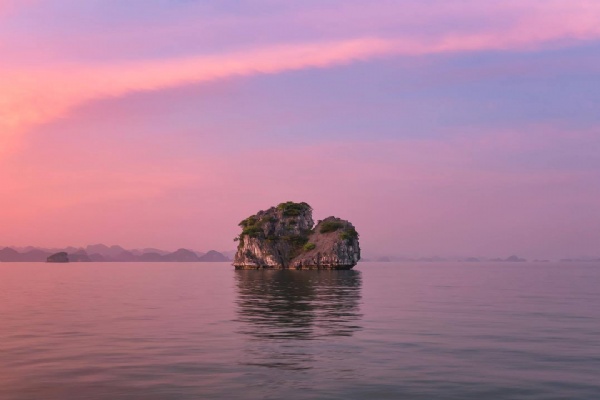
32	95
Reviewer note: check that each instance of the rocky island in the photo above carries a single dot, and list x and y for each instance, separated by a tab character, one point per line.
60	257
285	237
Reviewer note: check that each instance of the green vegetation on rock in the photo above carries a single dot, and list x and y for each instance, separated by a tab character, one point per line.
309	246
296	240
330	226
252	220
291	209
251	226
349	233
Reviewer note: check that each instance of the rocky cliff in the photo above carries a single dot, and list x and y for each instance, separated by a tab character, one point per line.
284	237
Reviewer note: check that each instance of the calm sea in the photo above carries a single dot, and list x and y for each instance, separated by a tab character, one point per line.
381	331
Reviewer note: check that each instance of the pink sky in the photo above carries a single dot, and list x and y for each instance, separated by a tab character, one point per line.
437	128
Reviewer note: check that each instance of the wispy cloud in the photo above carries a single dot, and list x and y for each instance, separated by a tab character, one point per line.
36	94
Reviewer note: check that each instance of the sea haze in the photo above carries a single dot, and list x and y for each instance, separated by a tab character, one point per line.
383	330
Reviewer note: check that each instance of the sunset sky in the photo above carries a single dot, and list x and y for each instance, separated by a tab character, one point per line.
437	127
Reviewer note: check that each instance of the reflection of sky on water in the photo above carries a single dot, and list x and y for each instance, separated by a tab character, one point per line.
291	316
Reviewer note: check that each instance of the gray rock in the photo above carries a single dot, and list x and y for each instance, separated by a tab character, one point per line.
284	237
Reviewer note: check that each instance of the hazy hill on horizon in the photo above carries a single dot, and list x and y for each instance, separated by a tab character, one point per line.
114	253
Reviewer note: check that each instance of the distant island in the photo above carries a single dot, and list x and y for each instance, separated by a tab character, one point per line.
60	257
285	237
509	259
103	253
115	253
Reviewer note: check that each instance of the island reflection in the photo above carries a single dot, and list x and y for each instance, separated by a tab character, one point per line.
276	304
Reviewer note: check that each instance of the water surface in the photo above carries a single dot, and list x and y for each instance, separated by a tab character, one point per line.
383	330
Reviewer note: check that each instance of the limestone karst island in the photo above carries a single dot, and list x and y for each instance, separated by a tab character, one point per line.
285	237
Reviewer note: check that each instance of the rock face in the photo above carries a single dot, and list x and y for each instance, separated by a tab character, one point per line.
284	237
61	257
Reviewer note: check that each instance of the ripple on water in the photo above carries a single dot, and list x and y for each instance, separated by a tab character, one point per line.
395	331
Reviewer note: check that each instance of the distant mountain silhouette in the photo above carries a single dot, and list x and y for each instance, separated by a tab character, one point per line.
34	256
214	256
470	259
151	257
97	257
79	256
227	253
8	254
181	255
103	253
97	249
151	250
125	256
184	255
61	257
515	259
